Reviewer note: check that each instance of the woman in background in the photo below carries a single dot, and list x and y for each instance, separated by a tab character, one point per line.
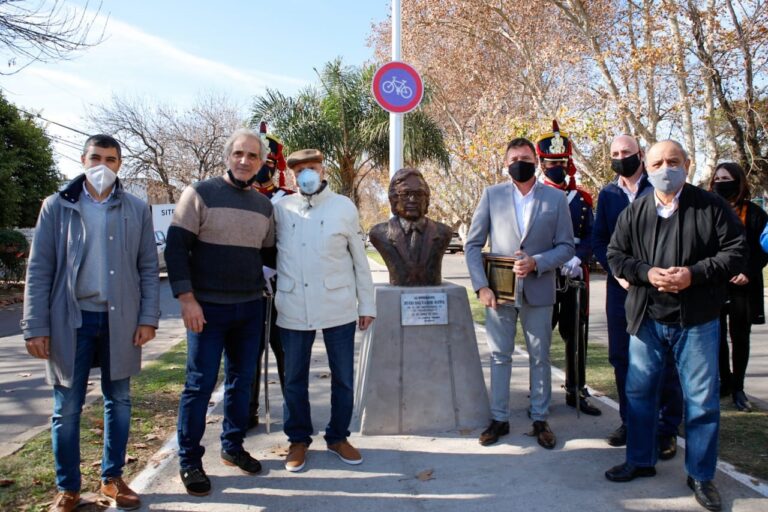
745	290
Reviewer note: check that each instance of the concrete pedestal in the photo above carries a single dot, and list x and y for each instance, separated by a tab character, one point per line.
418	379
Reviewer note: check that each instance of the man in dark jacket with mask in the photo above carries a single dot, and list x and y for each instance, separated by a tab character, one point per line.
554	149
631	183
677	248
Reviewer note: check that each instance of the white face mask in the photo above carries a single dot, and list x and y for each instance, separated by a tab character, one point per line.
308	181
100	177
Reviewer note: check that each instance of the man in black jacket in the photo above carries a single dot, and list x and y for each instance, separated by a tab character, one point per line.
677	248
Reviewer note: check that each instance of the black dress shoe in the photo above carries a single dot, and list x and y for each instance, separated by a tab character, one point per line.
494	431
618	437
584	405
626	472
667	447
741	402
706	494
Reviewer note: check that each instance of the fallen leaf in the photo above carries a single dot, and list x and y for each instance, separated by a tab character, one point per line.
5	482
24	374
140	446
151	437
96	431
37	481
323	375
99	423
280	451
95	463
213	419
130	459
425	475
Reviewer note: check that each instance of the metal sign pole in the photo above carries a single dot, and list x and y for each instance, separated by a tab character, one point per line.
395	120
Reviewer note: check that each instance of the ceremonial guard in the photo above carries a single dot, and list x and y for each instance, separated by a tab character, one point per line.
265	183
554	150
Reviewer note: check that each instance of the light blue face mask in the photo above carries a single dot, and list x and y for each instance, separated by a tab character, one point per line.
667	180
308	181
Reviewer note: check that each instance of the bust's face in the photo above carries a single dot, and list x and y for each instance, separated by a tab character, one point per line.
412	199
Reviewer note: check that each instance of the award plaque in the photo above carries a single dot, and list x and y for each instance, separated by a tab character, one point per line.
501	276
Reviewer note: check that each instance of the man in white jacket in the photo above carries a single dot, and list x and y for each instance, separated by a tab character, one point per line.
324	283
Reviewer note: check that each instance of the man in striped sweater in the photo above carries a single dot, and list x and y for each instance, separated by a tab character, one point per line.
221	232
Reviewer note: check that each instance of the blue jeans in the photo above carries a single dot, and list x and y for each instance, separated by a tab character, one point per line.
695	351
235	330
92	339
340	347
671	405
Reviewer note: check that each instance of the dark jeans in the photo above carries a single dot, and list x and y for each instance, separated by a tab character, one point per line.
694	351
340	347
736	318
235	330
277	350
564	317
92	339
671	404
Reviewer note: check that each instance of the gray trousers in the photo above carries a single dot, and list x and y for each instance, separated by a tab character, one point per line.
501	326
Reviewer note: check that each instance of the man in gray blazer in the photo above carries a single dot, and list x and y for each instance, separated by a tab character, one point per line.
531	222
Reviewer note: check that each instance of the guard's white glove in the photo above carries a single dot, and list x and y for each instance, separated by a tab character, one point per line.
572	268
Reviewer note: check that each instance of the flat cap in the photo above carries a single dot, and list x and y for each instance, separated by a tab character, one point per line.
304	156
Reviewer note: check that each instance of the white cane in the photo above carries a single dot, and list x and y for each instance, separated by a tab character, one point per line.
267	332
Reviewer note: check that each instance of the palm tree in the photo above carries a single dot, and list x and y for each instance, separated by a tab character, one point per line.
341	118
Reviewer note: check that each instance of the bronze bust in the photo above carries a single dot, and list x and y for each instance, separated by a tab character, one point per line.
411	244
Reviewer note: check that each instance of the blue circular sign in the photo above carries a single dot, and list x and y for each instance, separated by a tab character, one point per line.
397	87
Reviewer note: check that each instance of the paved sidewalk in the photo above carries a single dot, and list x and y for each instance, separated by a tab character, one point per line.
447	471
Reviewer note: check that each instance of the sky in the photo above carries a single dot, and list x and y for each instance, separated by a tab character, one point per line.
171	51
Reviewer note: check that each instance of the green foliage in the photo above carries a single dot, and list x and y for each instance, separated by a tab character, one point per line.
13	249
27	169
341	118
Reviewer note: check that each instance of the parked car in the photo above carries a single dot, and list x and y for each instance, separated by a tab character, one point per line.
160	243
455	245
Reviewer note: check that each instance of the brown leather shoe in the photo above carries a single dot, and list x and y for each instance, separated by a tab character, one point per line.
297	456
544	434
65	501
119	494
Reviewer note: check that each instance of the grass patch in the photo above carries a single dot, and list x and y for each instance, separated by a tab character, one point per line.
155	392
375	256
741	434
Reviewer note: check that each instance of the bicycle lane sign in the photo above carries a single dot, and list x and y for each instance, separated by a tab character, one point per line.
397	87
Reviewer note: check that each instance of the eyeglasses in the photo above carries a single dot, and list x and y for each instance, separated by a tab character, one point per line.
416	194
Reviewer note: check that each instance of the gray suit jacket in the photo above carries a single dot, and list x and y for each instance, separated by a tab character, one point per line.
548	238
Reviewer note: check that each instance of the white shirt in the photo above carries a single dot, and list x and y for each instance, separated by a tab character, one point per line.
523	207
665	211
629	193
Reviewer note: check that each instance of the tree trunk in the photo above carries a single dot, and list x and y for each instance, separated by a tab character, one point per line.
681	76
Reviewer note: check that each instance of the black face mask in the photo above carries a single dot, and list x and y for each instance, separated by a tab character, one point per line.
626	166
726	189
240	183
555	174
265	174
522	170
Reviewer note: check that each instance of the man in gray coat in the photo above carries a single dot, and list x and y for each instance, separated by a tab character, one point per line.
530	222
92	299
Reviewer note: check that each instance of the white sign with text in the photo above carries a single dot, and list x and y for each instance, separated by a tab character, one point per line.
424	309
